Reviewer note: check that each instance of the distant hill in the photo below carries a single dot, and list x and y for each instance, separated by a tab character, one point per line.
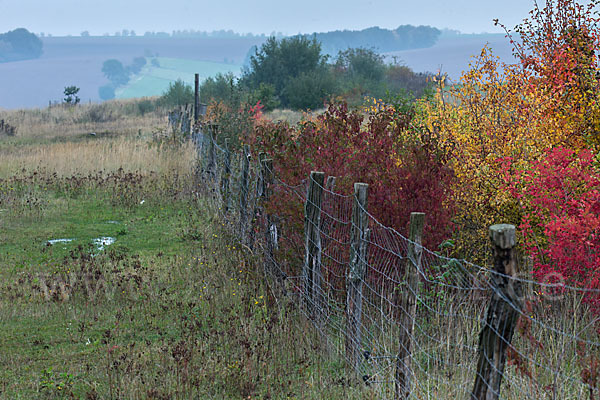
78	61
453	52
19	44
382	40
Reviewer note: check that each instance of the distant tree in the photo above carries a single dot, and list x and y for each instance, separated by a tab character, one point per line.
309	89
85	34
106	92
71	97
125	32
267	97
279	62
361	63
385	40
132	33
155	62
115	72
137	65
178	94
19	44
219	88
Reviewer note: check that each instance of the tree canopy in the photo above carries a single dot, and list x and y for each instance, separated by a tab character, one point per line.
281	63
19	44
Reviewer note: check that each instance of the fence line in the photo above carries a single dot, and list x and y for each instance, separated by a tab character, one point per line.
408	321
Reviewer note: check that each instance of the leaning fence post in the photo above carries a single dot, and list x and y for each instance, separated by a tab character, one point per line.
408	306
225	177
356	274
244	193
501	315
311	273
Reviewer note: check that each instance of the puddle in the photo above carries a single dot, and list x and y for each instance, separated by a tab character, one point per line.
101	242
54	241
112	222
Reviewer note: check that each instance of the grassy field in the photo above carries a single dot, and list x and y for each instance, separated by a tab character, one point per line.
147	297
152	81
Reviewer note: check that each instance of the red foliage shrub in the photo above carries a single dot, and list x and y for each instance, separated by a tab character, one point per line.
560	198
406	172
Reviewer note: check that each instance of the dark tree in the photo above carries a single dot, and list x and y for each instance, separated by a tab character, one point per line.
115	72
19	44
280	62
137	65
106	92
71	97
361	63
178	94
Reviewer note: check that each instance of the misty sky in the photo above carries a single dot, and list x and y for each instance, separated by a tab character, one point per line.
62	17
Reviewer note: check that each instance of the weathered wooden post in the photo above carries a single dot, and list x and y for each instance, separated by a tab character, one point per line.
225	177
311	271
408	306
329	186
243	203
270	228
212	151
196	98
356	274
501	315
257	197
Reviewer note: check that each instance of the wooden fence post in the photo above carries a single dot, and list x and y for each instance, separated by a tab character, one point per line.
257	197
196	98
225	177
212	151
501	315
311	273
356	274
408	306
270	228
327	221
244	193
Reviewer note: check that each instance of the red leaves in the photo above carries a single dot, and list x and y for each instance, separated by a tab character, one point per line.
561	223
404	172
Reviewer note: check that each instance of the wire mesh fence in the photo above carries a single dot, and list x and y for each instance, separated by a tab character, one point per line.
409	322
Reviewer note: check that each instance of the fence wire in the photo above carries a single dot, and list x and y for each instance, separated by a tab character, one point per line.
553	354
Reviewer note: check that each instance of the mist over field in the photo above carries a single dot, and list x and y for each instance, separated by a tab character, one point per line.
77	38
78	61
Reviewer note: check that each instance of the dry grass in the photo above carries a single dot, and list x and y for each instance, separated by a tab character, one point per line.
123	116
59	140
83	157
290	116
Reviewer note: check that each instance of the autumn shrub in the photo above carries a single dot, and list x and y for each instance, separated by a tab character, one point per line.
560	201
547	98
403	166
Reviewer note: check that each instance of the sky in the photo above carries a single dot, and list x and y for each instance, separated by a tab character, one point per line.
71	17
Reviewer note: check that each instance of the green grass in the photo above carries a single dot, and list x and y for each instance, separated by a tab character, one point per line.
153	81
173	309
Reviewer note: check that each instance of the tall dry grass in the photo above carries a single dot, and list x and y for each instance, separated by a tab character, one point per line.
59	140
83	157
122	116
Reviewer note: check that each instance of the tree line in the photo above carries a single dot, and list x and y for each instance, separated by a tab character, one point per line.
295	73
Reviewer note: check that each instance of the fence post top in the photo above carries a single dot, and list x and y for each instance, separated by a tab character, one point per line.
503	235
